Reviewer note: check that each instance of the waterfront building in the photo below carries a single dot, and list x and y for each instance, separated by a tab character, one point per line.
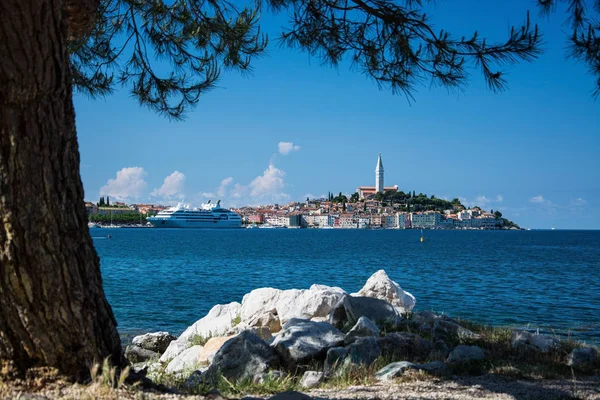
484	222
402	220
347	221
427	219
363	222
255	219
390	221
91	208
295	221
376	220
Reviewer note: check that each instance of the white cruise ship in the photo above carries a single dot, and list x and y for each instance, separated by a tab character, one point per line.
208	216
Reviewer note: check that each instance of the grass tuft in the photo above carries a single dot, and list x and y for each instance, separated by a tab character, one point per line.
200	340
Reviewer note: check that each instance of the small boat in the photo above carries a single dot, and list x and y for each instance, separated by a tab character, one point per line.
93	225
422	236
253	226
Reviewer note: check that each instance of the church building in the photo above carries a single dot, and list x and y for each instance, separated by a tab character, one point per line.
367	192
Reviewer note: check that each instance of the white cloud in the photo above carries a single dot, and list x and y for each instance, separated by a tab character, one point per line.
579	202
239	190
269	184
267	187
538	199
287	147
223	187
481	200
128	184
172	186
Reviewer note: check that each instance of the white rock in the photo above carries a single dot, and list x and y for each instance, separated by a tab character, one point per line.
310	379
216	323
185	363
524	339
259	302
289	304
315	303
175	348
380	286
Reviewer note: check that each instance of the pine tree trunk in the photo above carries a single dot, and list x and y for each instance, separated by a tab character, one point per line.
53	310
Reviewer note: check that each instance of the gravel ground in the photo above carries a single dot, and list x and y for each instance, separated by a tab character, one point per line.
463	388
481	387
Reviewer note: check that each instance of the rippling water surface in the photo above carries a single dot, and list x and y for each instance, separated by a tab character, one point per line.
166	279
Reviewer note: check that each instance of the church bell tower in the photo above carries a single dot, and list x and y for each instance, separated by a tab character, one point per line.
379	175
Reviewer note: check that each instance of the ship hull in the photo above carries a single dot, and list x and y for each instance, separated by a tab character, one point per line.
171	223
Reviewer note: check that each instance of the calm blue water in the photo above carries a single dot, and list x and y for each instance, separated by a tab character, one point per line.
166	279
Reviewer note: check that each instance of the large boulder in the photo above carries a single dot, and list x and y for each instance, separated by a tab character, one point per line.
268	320
136	354
440	351
302	340
380	286
211	347
335	358
363	351
528	341
379	311
259	302
176	347
464	354
185	363
404	346
440	326
315	303
242	357
583	358
155	341
364	327
216	323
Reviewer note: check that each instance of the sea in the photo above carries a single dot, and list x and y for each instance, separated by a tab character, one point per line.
166	279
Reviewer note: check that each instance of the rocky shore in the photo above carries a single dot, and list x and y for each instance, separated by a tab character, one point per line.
324	341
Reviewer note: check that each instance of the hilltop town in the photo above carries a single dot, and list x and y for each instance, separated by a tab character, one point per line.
374	207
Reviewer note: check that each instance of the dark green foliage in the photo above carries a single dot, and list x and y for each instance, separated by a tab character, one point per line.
125	218
340	198
583	32
170	53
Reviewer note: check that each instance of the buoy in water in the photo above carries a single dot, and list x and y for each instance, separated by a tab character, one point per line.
422	239
108	236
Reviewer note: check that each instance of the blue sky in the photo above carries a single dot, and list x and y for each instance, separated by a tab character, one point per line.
532	152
